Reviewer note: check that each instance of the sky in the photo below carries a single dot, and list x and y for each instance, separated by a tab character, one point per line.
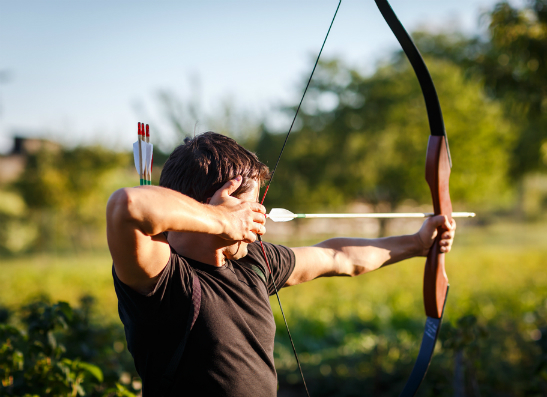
83	71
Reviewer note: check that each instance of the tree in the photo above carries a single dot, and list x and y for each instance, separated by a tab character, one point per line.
514	66
63	191
511	59
364	139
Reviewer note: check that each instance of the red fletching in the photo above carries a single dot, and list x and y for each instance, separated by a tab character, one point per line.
147	130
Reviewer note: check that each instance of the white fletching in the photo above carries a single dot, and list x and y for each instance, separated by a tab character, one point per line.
136	156
147	151
281	215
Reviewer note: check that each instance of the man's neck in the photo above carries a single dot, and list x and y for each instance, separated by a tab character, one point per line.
200	247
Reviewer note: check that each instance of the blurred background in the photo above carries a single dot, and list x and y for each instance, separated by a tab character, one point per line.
76	77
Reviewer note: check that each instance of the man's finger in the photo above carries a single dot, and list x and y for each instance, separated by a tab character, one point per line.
257	207
259	217
229	187
261	230
250	237
441	220
449	225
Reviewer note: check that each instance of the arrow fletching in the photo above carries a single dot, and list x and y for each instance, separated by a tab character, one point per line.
136	157
148	150
143	154
281	215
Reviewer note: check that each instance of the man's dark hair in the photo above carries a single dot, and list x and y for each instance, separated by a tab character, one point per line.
202	165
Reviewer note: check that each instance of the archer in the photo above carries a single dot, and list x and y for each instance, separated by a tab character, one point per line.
202	222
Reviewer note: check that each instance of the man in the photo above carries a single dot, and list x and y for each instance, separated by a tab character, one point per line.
202	221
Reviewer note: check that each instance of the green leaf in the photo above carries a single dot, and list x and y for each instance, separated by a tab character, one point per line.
92	369
65	308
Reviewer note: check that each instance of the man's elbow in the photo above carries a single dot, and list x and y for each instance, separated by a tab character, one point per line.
120	207
347	266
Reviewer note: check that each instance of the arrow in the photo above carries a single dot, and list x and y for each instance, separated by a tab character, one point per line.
283	215
143	154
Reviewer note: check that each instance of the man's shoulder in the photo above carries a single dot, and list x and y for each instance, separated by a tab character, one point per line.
274	252
280	260
177	273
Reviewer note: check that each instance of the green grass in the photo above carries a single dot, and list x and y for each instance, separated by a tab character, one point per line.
482	281
490	269
360	336
67	278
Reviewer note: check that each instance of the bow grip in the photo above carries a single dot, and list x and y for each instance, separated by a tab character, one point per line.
437	174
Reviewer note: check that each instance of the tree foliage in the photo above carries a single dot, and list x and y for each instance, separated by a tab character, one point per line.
514	67
511	59
57	200
364	138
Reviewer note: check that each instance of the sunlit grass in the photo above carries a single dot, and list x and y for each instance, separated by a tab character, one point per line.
349	330
491	269
66	278
482	281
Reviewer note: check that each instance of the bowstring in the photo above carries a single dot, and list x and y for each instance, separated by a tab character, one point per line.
300	104
268	187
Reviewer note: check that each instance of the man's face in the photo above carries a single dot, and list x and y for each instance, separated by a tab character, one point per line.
239	250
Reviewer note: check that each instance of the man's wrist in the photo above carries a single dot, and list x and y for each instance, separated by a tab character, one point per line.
217	220
418	245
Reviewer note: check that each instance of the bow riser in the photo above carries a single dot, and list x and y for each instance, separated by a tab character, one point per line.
437	175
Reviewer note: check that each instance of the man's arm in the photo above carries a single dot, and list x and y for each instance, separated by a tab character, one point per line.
355	256
137	217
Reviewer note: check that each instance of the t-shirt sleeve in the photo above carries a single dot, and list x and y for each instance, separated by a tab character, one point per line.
281	260
174	283
149	320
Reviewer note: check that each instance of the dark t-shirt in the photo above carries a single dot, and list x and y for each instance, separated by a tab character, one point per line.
229	351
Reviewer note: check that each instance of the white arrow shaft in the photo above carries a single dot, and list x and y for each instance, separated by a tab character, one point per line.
388	215
283	215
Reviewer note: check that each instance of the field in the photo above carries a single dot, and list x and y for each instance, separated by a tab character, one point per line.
489	268
497	275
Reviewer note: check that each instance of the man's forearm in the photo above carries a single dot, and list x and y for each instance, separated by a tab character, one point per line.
154	209
355	256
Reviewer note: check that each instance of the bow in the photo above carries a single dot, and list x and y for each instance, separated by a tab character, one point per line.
438	164
437	171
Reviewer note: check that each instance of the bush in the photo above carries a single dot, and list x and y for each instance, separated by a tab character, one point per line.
50	349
